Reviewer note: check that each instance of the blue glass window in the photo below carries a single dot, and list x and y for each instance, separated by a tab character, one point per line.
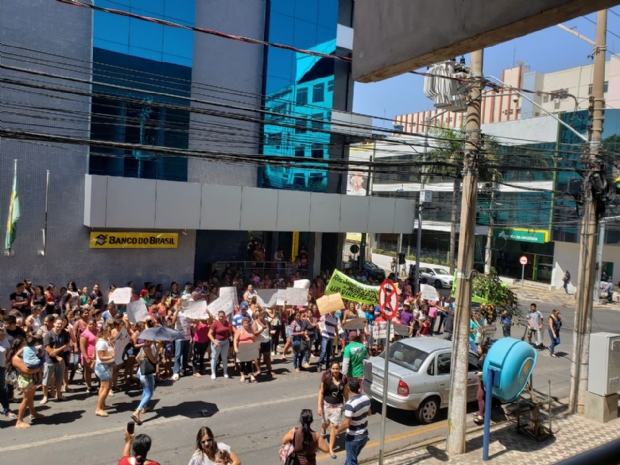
305	83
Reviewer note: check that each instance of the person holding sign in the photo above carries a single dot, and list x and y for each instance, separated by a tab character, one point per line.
245	335
103	366
219	334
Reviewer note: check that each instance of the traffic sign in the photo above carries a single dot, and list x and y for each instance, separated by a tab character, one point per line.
523	260
388	299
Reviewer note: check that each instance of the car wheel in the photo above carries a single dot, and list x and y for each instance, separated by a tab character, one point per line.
428	410
438	284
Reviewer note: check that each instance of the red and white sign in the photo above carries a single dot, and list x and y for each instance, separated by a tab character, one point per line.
388	299
523	260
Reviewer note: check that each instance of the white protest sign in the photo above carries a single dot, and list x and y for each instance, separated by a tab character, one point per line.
121	295
428	292
195	309
248	352
137	311
401	330
281	297
302	284
379	330
296	297
229	293
121	341
220	304
267	298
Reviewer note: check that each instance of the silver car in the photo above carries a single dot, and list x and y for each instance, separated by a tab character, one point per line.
436	276
419	376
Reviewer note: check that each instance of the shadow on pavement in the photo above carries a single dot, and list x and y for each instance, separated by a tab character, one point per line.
193	409
59	418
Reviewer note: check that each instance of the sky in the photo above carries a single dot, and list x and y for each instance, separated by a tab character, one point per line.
545	51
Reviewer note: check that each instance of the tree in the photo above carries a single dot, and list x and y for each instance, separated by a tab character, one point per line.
497	294
448	148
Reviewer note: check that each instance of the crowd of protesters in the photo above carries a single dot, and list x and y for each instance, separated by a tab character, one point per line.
56	338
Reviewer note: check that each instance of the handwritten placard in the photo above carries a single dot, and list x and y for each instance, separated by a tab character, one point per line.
230	293
330	303
220	304
352	290
195	309
121	341
121	295
137	311
401	330
428	292
248	352
379	330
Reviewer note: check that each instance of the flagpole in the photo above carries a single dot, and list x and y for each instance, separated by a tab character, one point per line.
9	249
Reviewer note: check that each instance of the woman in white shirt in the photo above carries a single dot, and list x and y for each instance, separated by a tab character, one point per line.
104	350
207	447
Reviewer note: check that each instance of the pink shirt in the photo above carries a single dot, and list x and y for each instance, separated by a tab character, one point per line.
432	312
202	333
91	340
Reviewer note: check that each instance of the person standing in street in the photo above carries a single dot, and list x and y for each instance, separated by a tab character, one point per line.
329	324
506	320
356	413
353	357
181	348
566	280
535	323
147	359
55	343
555	323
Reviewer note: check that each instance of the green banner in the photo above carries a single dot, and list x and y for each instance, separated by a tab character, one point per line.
533	236
350	289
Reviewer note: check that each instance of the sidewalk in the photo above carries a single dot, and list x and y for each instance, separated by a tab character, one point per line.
573	434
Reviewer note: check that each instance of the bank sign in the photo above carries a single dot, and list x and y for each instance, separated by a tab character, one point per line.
533	236
133	240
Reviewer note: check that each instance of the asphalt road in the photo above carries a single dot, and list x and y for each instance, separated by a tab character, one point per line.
250	418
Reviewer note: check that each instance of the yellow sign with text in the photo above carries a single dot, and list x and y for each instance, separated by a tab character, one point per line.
133	240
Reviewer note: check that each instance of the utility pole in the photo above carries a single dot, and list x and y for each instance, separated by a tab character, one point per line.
592	197
457	410
487	251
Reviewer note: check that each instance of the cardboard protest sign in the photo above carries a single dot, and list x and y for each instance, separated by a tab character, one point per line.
248	352
137	311
355	324
120	342
352	290
220	304
428	292
296	297
302	284
330	303
195	309
267	298
401	330
121	295
379	330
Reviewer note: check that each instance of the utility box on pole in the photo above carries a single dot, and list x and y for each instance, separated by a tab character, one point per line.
601	402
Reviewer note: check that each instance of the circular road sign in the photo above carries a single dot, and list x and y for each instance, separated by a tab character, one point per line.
388	299
354	249
523	260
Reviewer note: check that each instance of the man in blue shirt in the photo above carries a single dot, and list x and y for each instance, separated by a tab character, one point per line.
238	318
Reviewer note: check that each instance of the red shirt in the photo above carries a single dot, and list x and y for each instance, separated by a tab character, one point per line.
202	333
221	331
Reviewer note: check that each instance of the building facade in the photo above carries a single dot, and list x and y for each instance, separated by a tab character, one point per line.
134	97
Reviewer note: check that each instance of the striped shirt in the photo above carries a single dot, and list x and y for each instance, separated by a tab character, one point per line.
357	409
238	319
330	324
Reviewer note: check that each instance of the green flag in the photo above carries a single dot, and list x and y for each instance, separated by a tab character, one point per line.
14	214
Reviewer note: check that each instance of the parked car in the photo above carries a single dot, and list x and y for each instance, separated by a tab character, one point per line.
436	276
374	271
419	376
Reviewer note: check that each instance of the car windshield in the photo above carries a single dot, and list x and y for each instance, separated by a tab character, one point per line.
406	356
442	271
371	265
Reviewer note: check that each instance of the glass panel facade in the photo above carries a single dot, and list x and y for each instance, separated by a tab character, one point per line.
298	89
140	55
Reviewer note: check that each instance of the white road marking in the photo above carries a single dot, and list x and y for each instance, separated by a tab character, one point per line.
148	424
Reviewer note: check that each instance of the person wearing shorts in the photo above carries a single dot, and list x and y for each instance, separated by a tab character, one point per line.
333	393
262	330
104	350
54	342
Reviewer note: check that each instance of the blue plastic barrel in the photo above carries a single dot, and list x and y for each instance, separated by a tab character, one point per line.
515	361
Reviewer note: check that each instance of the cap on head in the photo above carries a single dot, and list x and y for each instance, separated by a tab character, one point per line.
352	335
243	306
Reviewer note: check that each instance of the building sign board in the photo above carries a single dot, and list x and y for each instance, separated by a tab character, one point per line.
133	240
533	236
